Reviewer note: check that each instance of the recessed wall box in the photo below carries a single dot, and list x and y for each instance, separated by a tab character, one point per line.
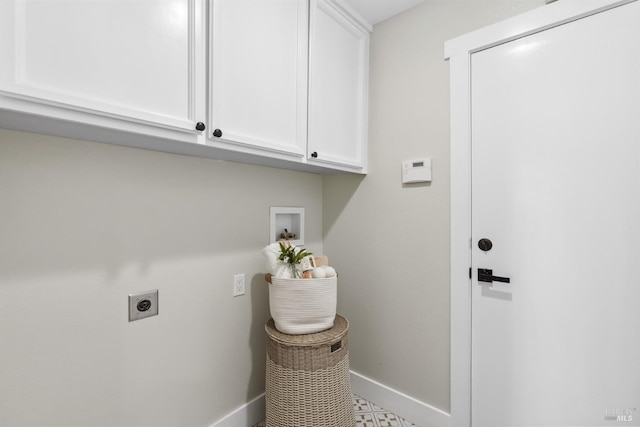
418	170
286	224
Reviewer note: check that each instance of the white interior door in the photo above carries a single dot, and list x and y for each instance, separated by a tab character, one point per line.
555	174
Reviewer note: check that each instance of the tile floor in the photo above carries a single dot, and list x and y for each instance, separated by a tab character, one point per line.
370	415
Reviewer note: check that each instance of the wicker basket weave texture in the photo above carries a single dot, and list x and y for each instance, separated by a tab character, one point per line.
307	380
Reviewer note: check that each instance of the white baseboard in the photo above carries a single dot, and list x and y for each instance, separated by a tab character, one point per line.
407	407
419	413
247	415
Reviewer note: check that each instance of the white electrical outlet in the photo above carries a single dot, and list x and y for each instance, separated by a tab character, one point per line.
238	285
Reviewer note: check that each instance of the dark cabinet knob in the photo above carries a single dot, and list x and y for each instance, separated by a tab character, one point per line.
200	126
217	133
314	154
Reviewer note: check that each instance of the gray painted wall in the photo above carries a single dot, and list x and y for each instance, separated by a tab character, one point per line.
84	224
389	242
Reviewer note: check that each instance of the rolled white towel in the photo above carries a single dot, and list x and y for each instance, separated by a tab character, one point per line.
271	253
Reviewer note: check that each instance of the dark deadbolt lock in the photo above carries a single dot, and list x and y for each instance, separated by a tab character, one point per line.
486	275
485	245
143	305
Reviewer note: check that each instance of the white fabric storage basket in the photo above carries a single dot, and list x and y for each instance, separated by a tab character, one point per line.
303	306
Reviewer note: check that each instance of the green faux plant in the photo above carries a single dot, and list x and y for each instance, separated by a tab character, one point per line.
292	256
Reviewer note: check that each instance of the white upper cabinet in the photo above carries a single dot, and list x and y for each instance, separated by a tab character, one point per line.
136	61
258	76
289	81
338	87
280	83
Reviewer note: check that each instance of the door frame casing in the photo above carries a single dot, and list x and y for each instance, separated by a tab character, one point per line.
458	51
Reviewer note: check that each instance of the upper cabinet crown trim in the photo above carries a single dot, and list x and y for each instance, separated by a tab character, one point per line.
349	13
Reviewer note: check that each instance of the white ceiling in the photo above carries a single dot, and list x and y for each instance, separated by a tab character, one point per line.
375	11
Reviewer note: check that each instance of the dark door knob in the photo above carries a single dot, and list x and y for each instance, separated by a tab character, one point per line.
485	244
200	126
314	154
217	133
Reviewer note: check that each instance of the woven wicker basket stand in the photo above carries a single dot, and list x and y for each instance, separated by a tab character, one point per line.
307	379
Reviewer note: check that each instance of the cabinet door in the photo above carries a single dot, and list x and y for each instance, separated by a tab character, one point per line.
259	76
338	87
134	60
